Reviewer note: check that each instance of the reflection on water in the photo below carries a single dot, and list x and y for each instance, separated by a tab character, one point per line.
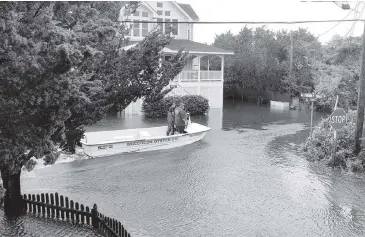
242	179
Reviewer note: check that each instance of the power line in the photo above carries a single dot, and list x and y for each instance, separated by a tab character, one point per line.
242	22
337	23
353	24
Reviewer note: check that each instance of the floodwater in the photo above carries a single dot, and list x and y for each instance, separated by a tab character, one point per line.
242	179
31	226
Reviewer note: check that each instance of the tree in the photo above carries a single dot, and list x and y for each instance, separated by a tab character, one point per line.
35	88
255	65
337	73
61	67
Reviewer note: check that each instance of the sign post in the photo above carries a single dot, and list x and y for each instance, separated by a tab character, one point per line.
312	97
337	120
312	100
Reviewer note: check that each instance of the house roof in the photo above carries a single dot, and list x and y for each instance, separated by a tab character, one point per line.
189	10
195	47
190	46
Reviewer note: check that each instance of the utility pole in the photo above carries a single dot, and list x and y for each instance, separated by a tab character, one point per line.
291	62
360	100
291	53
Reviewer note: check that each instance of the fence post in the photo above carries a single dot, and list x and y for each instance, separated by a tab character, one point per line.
39	204
87	217
94	217
44	203
77	213
23	197
57	203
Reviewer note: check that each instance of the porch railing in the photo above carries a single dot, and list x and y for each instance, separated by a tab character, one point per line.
211	75
192	76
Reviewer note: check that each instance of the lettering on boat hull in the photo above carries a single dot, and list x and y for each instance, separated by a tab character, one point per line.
102	147
137	143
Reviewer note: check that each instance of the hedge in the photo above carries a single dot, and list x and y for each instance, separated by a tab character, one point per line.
320	145
194	104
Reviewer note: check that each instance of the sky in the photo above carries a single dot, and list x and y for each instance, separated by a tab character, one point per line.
274	10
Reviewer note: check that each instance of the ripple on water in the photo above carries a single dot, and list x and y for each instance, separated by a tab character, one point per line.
242	179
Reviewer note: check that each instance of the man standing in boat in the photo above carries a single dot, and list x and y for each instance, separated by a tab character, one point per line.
180	118
171	120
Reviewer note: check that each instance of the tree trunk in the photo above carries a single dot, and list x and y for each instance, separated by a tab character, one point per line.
13	203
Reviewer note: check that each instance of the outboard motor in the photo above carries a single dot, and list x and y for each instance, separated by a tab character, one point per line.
189	120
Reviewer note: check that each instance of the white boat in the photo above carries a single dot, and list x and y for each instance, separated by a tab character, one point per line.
106	143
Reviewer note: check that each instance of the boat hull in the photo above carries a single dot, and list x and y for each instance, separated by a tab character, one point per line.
142	145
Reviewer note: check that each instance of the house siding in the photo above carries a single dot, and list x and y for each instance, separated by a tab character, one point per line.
175	13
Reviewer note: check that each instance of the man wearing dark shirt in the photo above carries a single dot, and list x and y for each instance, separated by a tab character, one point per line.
180	118
171	120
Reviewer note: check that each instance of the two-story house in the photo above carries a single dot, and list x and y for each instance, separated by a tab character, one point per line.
203	74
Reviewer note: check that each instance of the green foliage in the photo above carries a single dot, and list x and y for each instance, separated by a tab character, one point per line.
62	67
261	60
319	146
158	107
337	73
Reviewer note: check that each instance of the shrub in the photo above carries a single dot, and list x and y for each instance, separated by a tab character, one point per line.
194	104
320	145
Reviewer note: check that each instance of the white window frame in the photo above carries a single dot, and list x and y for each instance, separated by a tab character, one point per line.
140	25
171	22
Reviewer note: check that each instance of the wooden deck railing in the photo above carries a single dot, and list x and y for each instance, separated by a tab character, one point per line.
61	208
193	76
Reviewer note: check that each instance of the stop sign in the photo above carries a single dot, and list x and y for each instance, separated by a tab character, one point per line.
338	119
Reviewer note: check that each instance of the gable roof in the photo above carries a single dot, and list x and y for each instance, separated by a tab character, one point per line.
144	3
189	10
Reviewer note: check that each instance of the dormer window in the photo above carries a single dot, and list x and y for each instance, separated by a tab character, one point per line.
159	4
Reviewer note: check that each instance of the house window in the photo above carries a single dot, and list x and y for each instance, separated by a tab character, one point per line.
136	13
136	28
144	29
159	12
175	27
167	13
167	58
167	26
129	27
144	14
160	25
159	4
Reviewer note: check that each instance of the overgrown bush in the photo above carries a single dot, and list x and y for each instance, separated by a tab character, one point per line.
319	146
194	104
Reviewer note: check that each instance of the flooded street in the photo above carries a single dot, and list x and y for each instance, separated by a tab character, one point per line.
242	179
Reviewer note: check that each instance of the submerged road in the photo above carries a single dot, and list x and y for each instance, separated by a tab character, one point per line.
242	179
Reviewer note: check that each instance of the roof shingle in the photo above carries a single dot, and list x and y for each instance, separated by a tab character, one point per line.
189	10
191	46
